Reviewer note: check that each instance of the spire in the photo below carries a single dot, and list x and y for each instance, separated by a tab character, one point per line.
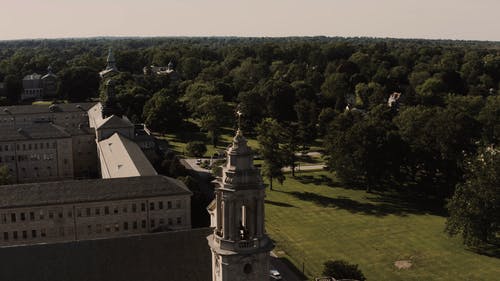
239	141
109	106
170	66
239	113
111	64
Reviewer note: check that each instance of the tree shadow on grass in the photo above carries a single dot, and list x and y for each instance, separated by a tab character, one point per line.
279	204
381	208
317	180
489	250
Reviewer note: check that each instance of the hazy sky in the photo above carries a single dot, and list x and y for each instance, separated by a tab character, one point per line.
450	19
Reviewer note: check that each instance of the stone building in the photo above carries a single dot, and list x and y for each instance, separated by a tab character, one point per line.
168	70
63	114
47	143
36	86
88	209
240	247
173	255
123	148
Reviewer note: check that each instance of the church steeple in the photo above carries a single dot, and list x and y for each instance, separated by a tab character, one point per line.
109	106
239	244
111	68
110	61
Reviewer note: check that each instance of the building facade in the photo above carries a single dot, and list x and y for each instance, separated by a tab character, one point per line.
36	86
239	244
47	143
89	209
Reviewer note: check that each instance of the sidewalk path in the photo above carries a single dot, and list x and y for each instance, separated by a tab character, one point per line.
285	271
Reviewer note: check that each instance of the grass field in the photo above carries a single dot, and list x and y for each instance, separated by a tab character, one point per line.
177	141
313	219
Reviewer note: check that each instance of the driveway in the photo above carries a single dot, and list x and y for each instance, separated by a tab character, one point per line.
286	272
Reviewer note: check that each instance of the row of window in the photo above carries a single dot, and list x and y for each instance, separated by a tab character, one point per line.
35	157
88	212
15	235
29	146
98	228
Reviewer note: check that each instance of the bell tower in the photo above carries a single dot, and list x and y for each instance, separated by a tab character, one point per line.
239	244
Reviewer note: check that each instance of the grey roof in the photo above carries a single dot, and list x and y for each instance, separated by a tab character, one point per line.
34	132
173	256
48	75
34	76
37	109
121	158
94	190
115	122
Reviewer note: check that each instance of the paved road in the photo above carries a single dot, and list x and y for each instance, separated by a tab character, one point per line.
305	168
311	153
286	272
191	162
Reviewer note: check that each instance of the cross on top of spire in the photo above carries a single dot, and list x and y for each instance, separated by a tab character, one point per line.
239	113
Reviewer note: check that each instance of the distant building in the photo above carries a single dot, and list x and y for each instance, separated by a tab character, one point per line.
393	100
111	68
168	70
36	86
88	209
32	87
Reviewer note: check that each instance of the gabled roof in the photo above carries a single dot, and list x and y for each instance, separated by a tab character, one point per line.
34	132
39	109
93	190
121	157
173	256
113	122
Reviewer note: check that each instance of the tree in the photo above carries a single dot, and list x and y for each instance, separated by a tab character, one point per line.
5	177
431	91
13	88
269	134
365	150
163	112
78	83
290	138
475	206
213	112
307	117
195	92
438	140
335	88
340	269
490	120
280	98
250	104
196	148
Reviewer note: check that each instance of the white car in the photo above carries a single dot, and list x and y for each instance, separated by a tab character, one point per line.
275	275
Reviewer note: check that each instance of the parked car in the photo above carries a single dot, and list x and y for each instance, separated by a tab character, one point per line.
275	275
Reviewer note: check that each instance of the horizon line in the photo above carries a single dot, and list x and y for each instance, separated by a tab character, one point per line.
240	36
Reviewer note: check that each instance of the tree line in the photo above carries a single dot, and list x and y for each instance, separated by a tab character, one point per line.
296	91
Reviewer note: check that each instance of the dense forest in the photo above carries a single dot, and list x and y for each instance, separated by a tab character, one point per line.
435	138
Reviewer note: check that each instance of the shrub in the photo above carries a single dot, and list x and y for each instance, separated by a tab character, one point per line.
196	148
341	269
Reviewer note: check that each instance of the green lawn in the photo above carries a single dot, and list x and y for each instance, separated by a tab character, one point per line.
177	141
313	219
